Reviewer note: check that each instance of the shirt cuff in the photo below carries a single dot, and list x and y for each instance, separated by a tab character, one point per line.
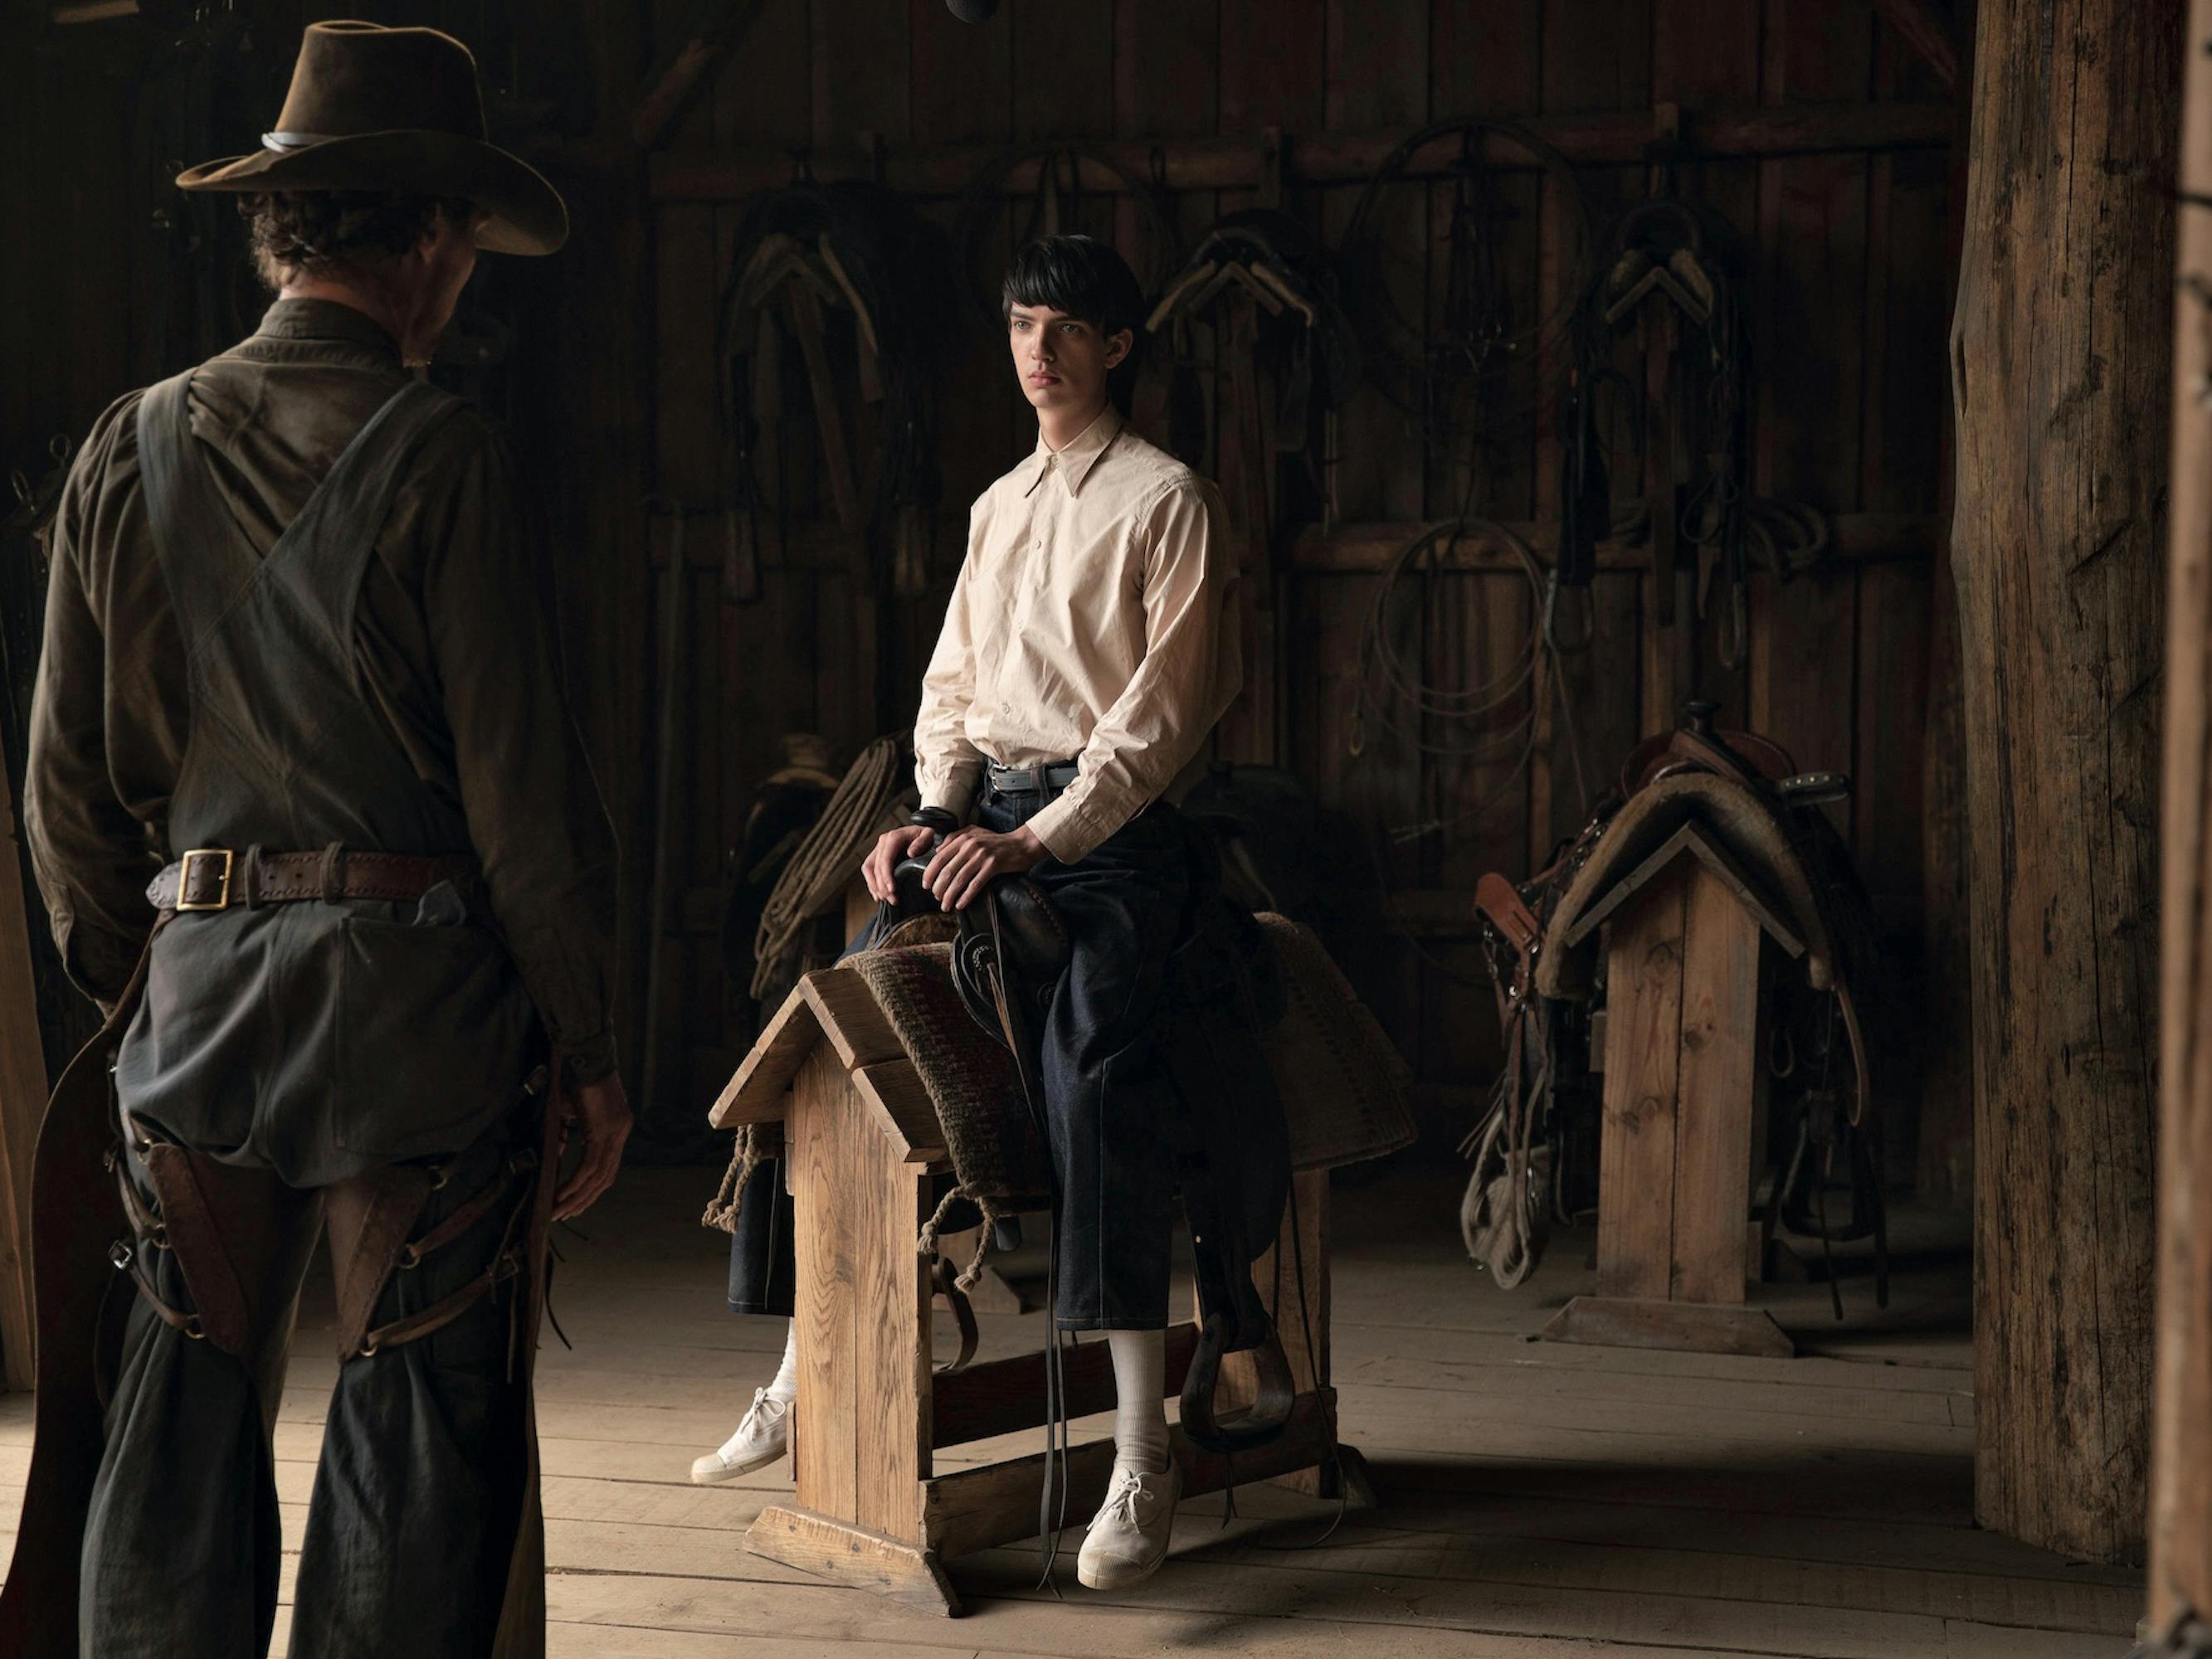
589	1060
1073	827
956	795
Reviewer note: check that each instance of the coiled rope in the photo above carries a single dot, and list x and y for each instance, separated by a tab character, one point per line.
827	859
1394	690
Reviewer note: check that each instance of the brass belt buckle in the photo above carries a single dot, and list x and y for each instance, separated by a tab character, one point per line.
184	877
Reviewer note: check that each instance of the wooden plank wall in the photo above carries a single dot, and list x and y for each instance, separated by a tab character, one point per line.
105	296
1850	292
613	390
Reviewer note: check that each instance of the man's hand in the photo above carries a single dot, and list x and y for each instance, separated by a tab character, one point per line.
972	858
602	1110
891	847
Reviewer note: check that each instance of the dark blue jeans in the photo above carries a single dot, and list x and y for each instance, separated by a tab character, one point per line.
1110	1099
1109	1096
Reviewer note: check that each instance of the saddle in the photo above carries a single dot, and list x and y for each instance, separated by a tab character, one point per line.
1009	956
1747	790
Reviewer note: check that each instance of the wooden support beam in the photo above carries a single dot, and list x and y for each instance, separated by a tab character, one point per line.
894	1092
854	1556
1925	29
850	1017
975	1508
1351	549
1319	158
1620	1322
2181	1455
23	1090
1006	1397
2062	358
760	1092
708	38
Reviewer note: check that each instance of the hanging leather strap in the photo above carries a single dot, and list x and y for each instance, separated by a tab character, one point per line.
385	1207
126	1259
415	1326
191	1230
412	1254
378	1211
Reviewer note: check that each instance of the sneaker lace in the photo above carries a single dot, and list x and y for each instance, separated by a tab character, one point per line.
765	1408
1122	1498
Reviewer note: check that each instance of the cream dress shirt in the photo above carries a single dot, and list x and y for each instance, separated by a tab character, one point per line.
1092	620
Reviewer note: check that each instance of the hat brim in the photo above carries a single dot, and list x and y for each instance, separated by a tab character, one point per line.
527	214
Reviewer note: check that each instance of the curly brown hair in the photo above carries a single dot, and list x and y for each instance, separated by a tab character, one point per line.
316	233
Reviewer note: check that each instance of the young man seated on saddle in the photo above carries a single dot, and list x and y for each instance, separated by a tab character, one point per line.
1088	652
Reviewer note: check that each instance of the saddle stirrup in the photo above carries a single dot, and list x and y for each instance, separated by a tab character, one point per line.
1253	1427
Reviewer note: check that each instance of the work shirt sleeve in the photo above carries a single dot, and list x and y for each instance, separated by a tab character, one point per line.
947	768
534	809
89	849
1190	674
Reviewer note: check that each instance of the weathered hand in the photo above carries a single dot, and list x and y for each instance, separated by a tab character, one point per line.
891	847
601	1109
972	858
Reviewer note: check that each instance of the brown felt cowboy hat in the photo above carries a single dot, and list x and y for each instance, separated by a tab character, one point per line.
376	108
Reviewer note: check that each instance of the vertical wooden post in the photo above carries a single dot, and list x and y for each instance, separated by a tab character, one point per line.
23	1090
817	1139
1945	1177
1722	1089
2181	1491
1643	1056
1684	1092
2061	364
1685	1097
862	1428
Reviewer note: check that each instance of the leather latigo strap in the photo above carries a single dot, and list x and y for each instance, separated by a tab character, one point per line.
216	878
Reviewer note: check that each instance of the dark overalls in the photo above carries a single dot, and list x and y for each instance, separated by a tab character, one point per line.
1109	1096
369	1067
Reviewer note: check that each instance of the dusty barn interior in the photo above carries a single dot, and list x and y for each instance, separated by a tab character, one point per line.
1718	495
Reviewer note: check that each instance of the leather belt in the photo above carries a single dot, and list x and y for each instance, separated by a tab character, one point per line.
216	878
1048	779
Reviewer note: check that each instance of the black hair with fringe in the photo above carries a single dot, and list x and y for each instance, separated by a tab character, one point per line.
1083	278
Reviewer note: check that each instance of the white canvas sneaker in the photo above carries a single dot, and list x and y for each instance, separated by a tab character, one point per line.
1128	1536
762	1437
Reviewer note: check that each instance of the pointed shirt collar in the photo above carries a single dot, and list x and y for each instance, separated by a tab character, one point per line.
1073	462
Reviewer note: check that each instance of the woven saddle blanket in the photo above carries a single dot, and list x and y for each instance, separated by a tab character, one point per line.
1342	1083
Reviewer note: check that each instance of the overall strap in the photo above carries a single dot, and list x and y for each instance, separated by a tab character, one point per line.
322	555
206	560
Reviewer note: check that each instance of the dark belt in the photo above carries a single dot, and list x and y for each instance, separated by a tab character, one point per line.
1048	779
215	878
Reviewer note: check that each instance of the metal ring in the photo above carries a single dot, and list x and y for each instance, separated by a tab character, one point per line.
368	1346
193	1330
409	1256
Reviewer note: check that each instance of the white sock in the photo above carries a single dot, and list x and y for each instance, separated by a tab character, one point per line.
1140	1414
786	1386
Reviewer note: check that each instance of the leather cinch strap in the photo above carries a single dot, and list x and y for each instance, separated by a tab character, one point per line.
181	1220
216	878
379	1212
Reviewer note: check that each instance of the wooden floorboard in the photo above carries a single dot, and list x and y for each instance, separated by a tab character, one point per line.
1539	1501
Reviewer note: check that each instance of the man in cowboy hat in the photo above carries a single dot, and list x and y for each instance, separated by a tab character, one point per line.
315	829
